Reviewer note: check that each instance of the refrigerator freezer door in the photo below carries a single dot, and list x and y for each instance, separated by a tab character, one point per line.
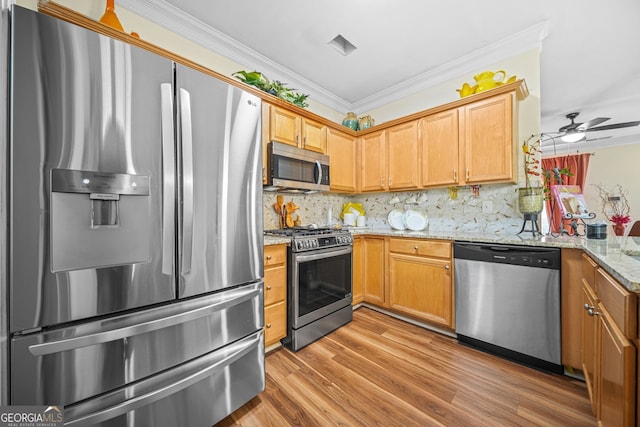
85	102
77	362
221	198
197	393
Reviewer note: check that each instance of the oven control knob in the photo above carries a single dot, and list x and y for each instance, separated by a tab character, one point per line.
314	243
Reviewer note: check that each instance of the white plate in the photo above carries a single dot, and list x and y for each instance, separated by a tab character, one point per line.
395	220
414	220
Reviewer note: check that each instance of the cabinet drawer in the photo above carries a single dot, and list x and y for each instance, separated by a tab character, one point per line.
620	303
275	285
275	323
589	268
421	247
274	255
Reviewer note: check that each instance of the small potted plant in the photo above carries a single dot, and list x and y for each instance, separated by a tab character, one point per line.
531	197
615	207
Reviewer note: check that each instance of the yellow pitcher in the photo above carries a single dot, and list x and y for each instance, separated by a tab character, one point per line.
489	79
466	90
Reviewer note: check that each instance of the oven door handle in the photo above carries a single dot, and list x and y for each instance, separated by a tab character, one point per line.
315	255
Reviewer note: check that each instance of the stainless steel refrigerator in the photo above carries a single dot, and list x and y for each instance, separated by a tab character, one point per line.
131	231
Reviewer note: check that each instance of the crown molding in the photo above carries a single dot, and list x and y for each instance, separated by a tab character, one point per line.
168	16
173	19
521	42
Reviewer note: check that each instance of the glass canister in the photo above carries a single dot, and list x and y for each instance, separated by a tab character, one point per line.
351	121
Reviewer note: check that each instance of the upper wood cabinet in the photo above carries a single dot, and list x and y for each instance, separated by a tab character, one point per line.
403	159
439	149
373	165
487	140
343	154
289	128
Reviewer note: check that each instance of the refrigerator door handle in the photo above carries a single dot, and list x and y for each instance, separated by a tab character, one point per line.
168	178
187	375
229	299
187	178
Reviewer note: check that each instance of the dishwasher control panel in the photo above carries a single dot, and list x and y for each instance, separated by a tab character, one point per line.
530	256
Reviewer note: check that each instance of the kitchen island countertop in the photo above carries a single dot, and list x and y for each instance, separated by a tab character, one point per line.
608	253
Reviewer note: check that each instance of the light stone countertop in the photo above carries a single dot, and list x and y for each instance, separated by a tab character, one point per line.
619	256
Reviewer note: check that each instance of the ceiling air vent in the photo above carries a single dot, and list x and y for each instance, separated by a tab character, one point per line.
342	45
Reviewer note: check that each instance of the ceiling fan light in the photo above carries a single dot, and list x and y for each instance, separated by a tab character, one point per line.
572	136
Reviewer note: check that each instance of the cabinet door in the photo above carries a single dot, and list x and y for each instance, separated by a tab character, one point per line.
284	126
403	159
342	152
439	146
487	140
616	375
314	136
589	334
373	171
358	270
421	287
275	323
373	271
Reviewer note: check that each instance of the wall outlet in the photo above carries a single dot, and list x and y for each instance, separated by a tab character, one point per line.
487	206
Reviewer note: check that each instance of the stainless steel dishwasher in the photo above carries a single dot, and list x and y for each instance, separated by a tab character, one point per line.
507	301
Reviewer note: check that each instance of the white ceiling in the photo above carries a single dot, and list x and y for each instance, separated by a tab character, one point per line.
590	53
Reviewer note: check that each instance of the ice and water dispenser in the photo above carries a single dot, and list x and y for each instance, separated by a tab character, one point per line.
99	219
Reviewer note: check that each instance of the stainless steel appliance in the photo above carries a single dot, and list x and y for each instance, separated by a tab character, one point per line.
134	224
294	170
319	283
508	301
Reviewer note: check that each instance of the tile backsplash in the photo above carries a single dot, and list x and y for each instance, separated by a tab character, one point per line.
462	214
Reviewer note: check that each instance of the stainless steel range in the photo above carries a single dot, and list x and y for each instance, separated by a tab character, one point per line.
319	283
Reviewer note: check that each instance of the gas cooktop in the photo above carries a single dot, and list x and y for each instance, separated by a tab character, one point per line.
310	238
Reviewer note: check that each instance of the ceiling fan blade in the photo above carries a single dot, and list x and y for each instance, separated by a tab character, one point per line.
614	126
592	123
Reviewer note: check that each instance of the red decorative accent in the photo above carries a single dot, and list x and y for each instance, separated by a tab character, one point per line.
618	229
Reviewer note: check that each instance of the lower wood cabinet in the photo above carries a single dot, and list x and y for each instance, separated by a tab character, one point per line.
358	270
421	280
373	270
609	355
275	294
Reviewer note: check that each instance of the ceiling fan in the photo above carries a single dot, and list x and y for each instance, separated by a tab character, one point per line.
574	132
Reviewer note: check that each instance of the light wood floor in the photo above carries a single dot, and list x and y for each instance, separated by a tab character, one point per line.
380	371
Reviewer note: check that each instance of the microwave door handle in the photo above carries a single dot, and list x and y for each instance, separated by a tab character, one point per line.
319	167
187	179
168	177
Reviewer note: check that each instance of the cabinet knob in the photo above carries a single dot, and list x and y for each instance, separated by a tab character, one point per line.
268	325
268	287
415	248
455	175
304	141
447	267
467	175
588	307
591	312
268	257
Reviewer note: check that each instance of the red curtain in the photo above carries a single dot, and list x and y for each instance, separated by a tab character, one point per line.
577	165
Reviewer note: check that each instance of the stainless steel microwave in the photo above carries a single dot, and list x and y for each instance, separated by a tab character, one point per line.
292	169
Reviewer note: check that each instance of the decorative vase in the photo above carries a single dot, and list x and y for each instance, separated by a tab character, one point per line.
530	200
619	229
366	122
351	121
110	18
